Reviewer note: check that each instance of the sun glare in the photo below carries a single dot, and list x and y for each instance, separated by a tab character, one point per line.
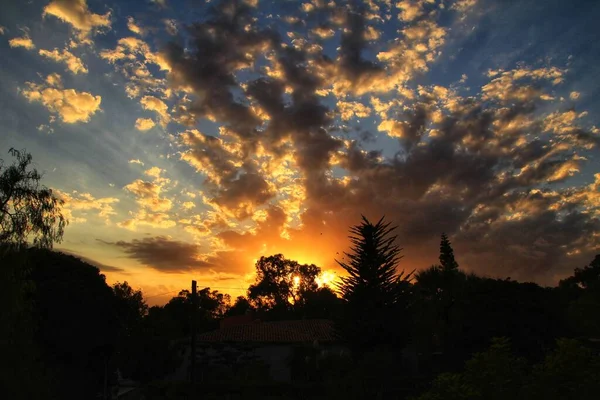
326	279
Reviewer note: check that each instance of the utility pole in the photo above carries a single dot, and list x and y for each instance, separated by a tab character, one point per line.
193	339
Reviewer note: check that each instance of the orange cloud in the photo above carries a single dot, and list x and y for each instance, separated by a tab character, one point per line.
70	105
77	14
144	124
23	41
74	64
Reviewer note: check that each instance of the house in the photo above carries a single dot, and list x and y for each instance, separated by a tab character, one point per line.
242	341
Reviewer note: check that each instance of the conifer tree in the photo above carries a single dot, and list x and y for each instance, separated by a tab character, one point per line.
373	289
447	260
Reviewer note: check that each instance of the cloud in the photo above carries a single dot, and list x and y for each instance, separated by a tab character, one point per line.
77	206
142	217
162	3
23	41
148	195
134	27
100	266
132	58
74	64
70	105
410	9
286	169
151	103
171	26
77	14
574	95
164	254
188	205
136	161
144	124
353	109
2	30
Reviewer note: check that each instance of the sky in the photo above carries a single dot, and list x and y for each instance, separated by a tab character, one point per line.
189	138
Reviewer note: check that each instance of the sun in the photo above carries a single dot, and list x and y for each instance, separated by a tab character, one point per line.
326	278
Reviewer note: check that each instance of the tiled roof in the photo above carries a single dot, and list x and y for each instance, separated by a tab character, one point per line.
301	331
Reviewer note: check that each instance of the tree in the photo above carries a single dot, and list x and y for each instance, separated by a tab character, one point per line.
582	291
211	306
584	278
492	374
74	327
571	371
372	265
282	285
447	260
439	287
240	307
373	289
28	210
131	306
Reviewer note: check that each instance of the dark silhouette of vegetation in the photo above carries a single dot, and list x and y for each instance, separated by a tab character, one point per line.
29	212
447	260
447	334
241	307
374	292
285	287
570	371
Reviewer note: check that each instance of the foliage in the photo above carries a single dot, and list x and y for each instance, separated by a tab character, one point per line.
28	210
584	278
131	307
211	306
241	306
571	371
375	295
282	284
372	267
581	292
447	260
74	329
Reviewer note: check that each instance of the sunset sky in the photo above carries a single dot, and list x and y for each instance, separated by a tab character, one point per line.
188	138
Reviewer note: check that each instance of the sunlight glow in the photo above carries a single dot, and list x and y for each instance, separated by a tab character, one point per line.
326	279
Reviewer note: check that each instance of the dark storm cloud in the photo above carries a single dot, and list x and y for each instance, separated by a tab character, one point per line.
164	254
353	43
220	47
100	266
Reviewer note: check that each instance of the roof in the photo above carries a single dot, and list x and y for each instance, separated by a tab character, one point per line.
301	331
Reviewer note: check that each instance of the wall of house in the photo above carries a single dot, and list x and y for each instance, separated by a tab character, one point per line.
277	357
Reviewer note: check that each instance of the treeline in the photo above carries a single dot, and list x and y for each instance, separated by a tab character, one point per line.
72	332
438	333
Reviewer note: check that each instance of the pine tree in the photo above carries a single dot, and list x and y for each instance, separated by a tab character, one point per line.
373	289
447	254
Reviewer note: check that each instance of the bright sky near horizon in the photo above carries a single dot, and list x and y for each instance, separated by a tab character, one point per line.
188	138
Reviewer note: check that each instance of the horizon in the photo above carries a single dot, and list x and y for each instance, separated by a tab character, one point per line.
188	153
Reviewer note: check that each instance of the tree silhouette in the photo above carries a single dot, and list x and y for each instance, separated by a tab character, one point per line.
372	265
241	306
571	371
28	210
582	292
439	287
447	260
281	285
373	288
